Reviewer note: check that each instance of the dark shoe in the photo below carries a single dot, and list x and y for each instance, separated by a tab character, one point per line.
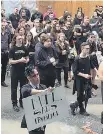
66	86
84	113
16	108
21	103
94	86
4	84
74	107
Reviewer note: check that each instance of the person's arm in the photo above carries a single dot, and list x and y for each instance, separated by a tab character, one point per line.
35	91
100	71
40	62
76	72
22	60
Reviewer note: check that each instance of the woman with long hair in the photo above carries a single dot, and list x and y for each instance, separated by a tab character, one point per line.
62	47
31	49
18	58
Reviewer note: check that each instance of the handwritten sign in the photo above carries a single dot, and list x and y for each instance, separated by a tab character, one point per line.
44	108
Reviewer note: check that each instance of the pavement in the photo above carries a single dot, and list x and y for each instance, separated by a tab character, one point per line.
10	120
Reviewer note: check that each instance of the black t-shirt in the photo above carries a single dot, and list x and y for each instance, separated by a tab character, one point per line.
85	29
68	33
82	65
77	21
31	50
17	53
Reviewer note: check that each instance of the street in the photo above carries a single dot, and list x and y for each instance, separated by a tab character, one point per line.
10	120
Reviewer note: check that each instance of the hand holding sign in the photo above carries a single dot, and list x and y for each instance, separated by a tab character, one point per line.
51	89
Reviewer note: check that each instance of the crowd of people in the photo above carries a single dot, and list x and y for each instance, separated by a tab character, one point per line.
52	45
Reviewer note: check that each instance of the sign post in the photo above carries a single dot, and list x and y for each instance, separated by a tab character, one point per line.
45	108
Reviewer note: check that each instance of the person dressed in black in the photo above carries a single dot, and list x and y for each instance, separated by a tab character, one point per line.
93	59
18	57
31	49
86	28
82	79
78	37
32	88
62	47
23	15
78	18
14	18
45	61
5	41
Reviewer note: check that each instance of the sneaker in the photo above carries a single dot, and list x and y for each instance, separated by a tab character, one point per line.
4	84
16	108
84	113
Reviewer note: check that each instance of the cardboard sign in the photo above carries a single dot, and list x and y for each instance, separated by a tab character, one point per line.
44	108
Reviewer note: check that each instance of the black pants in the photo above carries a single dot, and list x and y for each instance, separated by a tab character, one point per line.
58	72
70	64
14	84
37	132
49	81
81	96
4	61
80	100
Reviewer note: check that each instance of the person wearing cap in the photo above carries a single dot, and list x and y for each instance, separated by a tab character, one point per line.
32	88
18	58
49	10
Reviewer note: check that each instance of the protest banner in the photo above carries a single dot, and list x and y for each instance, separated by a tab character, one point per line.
45	108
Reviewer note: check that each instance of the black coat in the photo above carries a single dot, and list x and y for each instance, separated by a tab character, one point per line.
62	59
43	61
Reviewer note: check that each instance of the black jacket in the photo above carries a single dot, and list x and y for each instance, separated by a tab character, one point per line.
43	58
